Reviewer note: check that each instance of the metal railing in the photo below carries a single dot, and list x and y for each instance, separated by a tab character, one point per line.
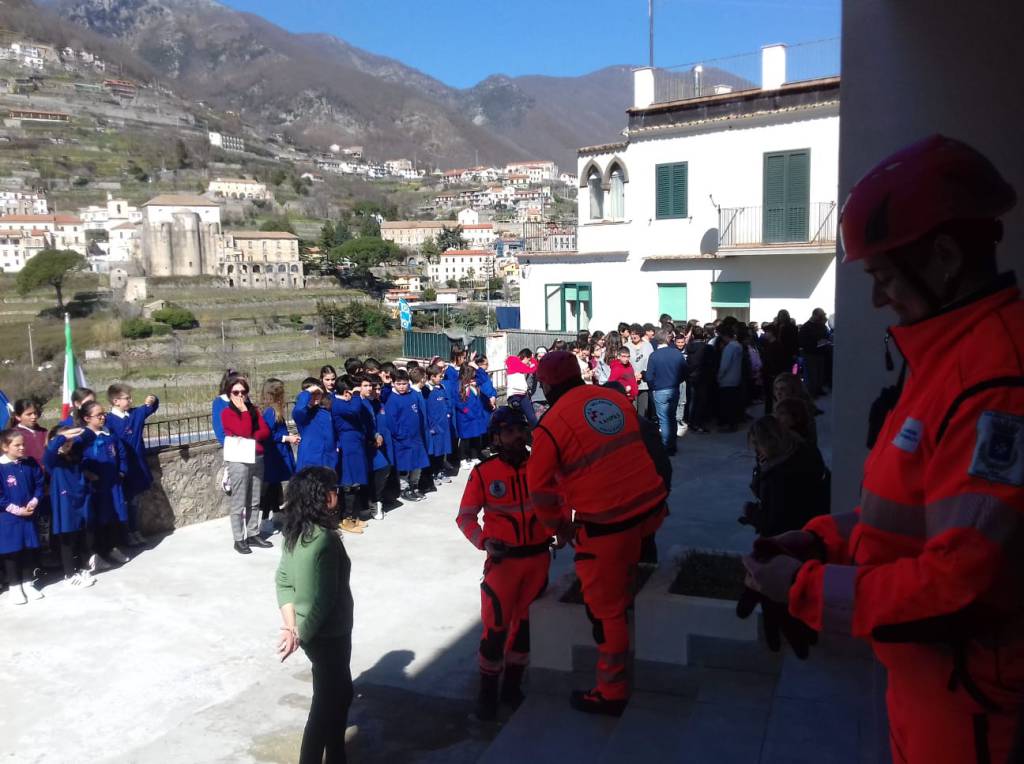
184	431
550	237
804	61
425	345
748	227
519	339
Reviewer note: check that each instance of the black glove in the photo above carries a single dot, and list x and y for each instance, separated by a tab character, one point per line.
778	623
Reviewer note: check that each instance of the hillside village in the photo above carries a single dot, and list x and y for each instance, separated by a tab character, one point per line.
144	184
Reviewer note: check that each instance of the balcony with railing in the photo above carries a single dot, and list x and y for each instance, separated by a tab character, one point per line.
767	229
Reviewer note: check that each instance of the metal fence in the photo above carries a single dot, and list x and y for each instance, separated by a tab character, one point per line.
425	345
183	431
746	226
519	339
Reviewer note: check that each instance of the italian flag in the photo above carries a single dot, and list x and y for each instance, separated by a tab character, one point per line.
73	374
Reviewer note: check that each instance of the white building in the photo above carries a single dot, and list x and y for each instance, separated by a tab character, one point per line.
722	204
462	263
412	234
260	259
237	188
23	203
479	235
468	216
18	246
227	142
59	230
535	172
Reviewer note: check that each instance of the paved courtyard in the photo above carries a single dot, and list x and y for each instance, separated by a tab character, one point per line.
171	657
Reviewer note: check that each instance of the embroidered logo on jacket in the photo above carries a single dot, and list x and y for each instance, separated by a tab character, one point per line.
998	449
11	480
497	489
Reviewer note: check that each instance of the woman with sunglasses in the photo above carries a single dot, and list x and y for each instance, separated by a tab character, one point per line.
241	419
104	464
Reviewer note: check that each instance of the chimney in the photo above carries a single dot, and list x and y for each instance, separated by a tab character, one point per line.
643	87
773	67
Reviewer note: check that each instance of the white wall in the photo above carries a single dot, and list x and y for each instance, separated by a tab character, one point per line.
726	165
959	74
624	292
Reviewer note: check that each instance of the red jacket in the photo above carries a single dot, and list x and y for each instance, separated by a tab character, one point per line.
625	376
500	490
589	456
939	524
239	424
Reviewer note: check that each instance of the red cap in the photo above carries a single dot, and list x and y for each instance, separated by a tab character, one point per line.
917	189
558	367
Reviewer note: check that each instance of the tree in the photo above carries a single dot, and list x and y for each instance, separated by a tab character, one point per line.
430	294
452	283
369	226
278	224
50	267
451	238
181	161
365	252
430	251
278	176
176	317
326	240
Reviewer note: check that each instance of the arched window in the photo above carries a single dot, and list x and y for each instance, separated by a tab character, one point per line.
617	193
596	195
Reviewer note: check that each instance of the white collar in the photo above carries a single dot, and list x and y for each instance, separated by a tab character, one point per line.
5	459
25	427
224	398
118	413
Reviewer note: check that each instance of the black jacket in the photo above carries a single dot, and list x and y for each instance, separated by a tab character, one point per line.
790	492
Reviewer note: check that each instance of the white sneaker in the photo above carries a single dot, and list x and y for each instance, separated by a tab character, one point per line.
118	556
681	430
379	512
33	591
97	563
80	580
14	595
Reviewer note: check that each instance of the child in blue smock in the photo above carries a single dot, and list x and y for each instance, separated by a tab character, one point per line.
69	501
79	396
405	411
439	423
278	459
128	424
317	426
356	437
104	463
383	451
470	417
21	490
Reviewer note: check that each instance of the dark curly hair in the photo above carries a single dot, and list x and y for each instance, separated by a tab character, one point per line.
306	505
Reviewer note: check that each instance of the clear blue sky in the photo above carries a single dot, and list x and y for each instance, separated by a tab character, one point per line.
460	42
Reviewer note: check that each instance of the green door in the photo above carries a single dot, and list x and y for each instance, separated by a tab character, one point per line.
672	300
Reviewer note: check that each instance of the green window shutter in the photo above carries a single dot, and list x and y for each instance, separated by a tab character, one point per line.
730	294
663	203
774	212
798	189
679	183
672	300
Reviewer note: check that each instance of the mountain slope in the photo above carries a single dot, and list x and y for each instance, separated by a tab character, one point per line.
322	90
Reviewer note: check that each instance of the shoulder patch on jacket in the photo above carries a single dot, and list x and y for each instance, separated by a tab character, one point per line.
999	448
604	416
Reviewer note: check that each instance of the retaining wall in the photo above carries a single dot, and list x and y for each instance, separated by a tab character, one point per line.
186	488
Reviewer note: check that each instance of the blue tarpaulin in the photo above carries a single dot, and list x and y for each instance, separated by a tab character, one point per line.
508	318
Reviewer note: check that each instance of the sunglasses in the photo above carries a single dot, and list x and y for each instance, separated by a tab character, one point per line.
239	392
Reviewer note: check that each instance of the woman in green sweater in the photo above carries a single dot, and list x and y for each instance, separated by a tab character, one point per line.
316	605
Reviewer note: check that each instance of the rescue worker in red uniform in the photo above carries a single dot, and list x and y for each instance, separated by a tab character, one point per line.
592	479
518	558
928	567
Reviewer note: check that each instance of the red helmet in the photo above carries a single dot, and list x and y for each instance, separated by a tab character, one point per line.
909	194
558	367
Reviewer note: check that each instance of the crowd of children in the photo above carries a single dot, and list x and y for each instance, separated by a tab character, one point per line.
390	434
72	490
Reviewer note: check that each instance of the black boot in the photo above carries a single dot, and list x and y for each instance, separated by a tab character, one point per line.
242	547
487	700
511	687
593	702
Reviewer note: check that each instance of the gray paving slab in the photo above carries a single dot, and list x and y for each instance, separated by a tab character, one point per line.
811	732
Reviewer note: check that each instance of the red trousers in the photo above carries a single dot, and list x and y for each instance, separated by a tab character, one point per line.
509	588
931	724
606	566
